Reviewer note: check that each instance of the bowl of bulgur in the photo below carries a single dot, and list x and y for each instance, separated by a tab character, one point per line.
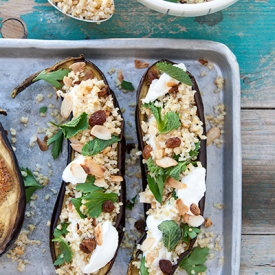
94	11
187	8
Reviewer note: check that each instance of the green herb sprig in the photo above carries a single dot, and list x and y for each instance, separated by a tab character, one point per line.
189	232
128	86
66	254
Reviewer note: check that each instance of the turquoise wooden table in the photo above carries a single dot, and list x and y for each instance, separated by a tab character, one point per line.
248	29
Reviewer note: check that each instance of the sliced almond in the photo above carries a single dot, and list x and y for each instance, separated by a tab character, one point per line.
195	209
182	208
120	76
99	234
194	221
117	178
212	134
67	81
42	143
77	147
166	162
147	244
78	172
207	222
101	132
175	183
66	106
171	84
94	168
78	67
100	182
140	64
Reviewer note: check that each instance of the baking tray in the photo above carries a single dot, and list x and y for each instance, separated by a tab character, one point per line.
21	58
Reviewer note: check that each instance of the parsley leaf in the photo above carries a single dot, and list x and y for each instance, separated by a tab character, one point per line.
31	185
189	232
170	121
193	262
143	269
63	231
53	77
174	194
130	203
156	187
171	234
88	186
95	200
96	145
57	141
77	202
195	152
128	86
74	126
65	254
175	72
43	110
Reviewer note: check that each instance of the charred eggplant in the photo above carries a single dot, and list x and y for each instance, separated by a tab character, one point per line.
88	218
171	136
12	194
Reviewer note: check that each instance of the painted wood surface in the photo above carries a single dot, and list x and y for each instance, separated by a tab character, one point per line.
248	29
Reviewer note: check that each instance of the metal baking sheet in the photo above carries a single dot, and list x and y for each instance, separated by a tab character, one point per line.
21	58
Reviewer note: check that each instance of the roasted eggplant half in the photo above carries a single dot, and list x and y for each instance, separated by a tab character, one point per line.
171	137
88	218
12	194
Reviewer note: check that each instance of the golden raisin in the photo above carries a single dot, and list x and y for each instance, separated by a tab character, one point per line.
97	118
103	91
173	142
87	245
108	206
146	153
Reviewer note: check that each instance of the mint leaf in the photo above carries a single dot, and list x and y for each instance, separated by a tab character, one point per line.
189	232
175	72
128	86
96	145
193	262
77	202
155	110
74	126
43	110
143	269
171	234
95	200
156	186
57	141
176	170
65	255
88	186
53	77
30	183
63	231
130	203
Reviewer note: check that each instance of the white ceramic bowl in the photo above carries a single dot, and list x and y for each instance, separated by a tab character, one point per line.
187	10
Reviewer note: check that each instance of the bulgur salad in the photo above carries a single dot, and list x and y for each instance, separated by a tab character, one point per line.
88	218
170	124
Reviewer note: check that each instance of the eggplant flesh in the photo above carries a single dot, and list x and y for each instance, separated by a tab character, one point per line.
12	195
141	93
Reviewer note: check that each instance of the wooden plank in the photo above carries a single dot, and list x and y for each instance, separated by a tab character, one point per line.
258	150
257	255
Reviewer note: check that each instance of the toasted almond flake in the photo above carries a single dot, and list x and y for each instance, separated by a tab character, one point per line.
195	209
99	234
42	143
207	222
100	182
77	147
94	168
140	64
66	106
120	76
212	134
101	132
67	81
78	67
175	183
166	162
194	221
171	84
116	178
182	208
147	244
78	172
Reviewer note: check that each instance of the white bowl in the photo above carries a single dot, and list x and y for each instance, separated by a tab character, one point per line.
187	10
78	18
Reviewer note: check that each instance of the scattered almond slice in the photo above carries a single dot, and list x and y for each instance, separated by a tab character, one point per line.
78	172
77	147
78	67
42	143
67	81
93	168
207	222
101	132
175	183
140	64
171	84
212	134
117	178
147	244
100	182
99	234
193	221
182	208
66	106
166	162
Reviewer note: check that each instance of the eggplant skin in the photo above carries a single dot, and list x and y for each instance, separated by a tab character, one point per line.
12	195
141	92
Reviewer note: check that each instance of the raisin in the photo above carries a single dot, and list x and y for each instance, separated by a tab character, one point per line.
103	91
87	245
173	142
146	151
97	118
165	266
140	226
173	90
108	206
88	75
151	76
